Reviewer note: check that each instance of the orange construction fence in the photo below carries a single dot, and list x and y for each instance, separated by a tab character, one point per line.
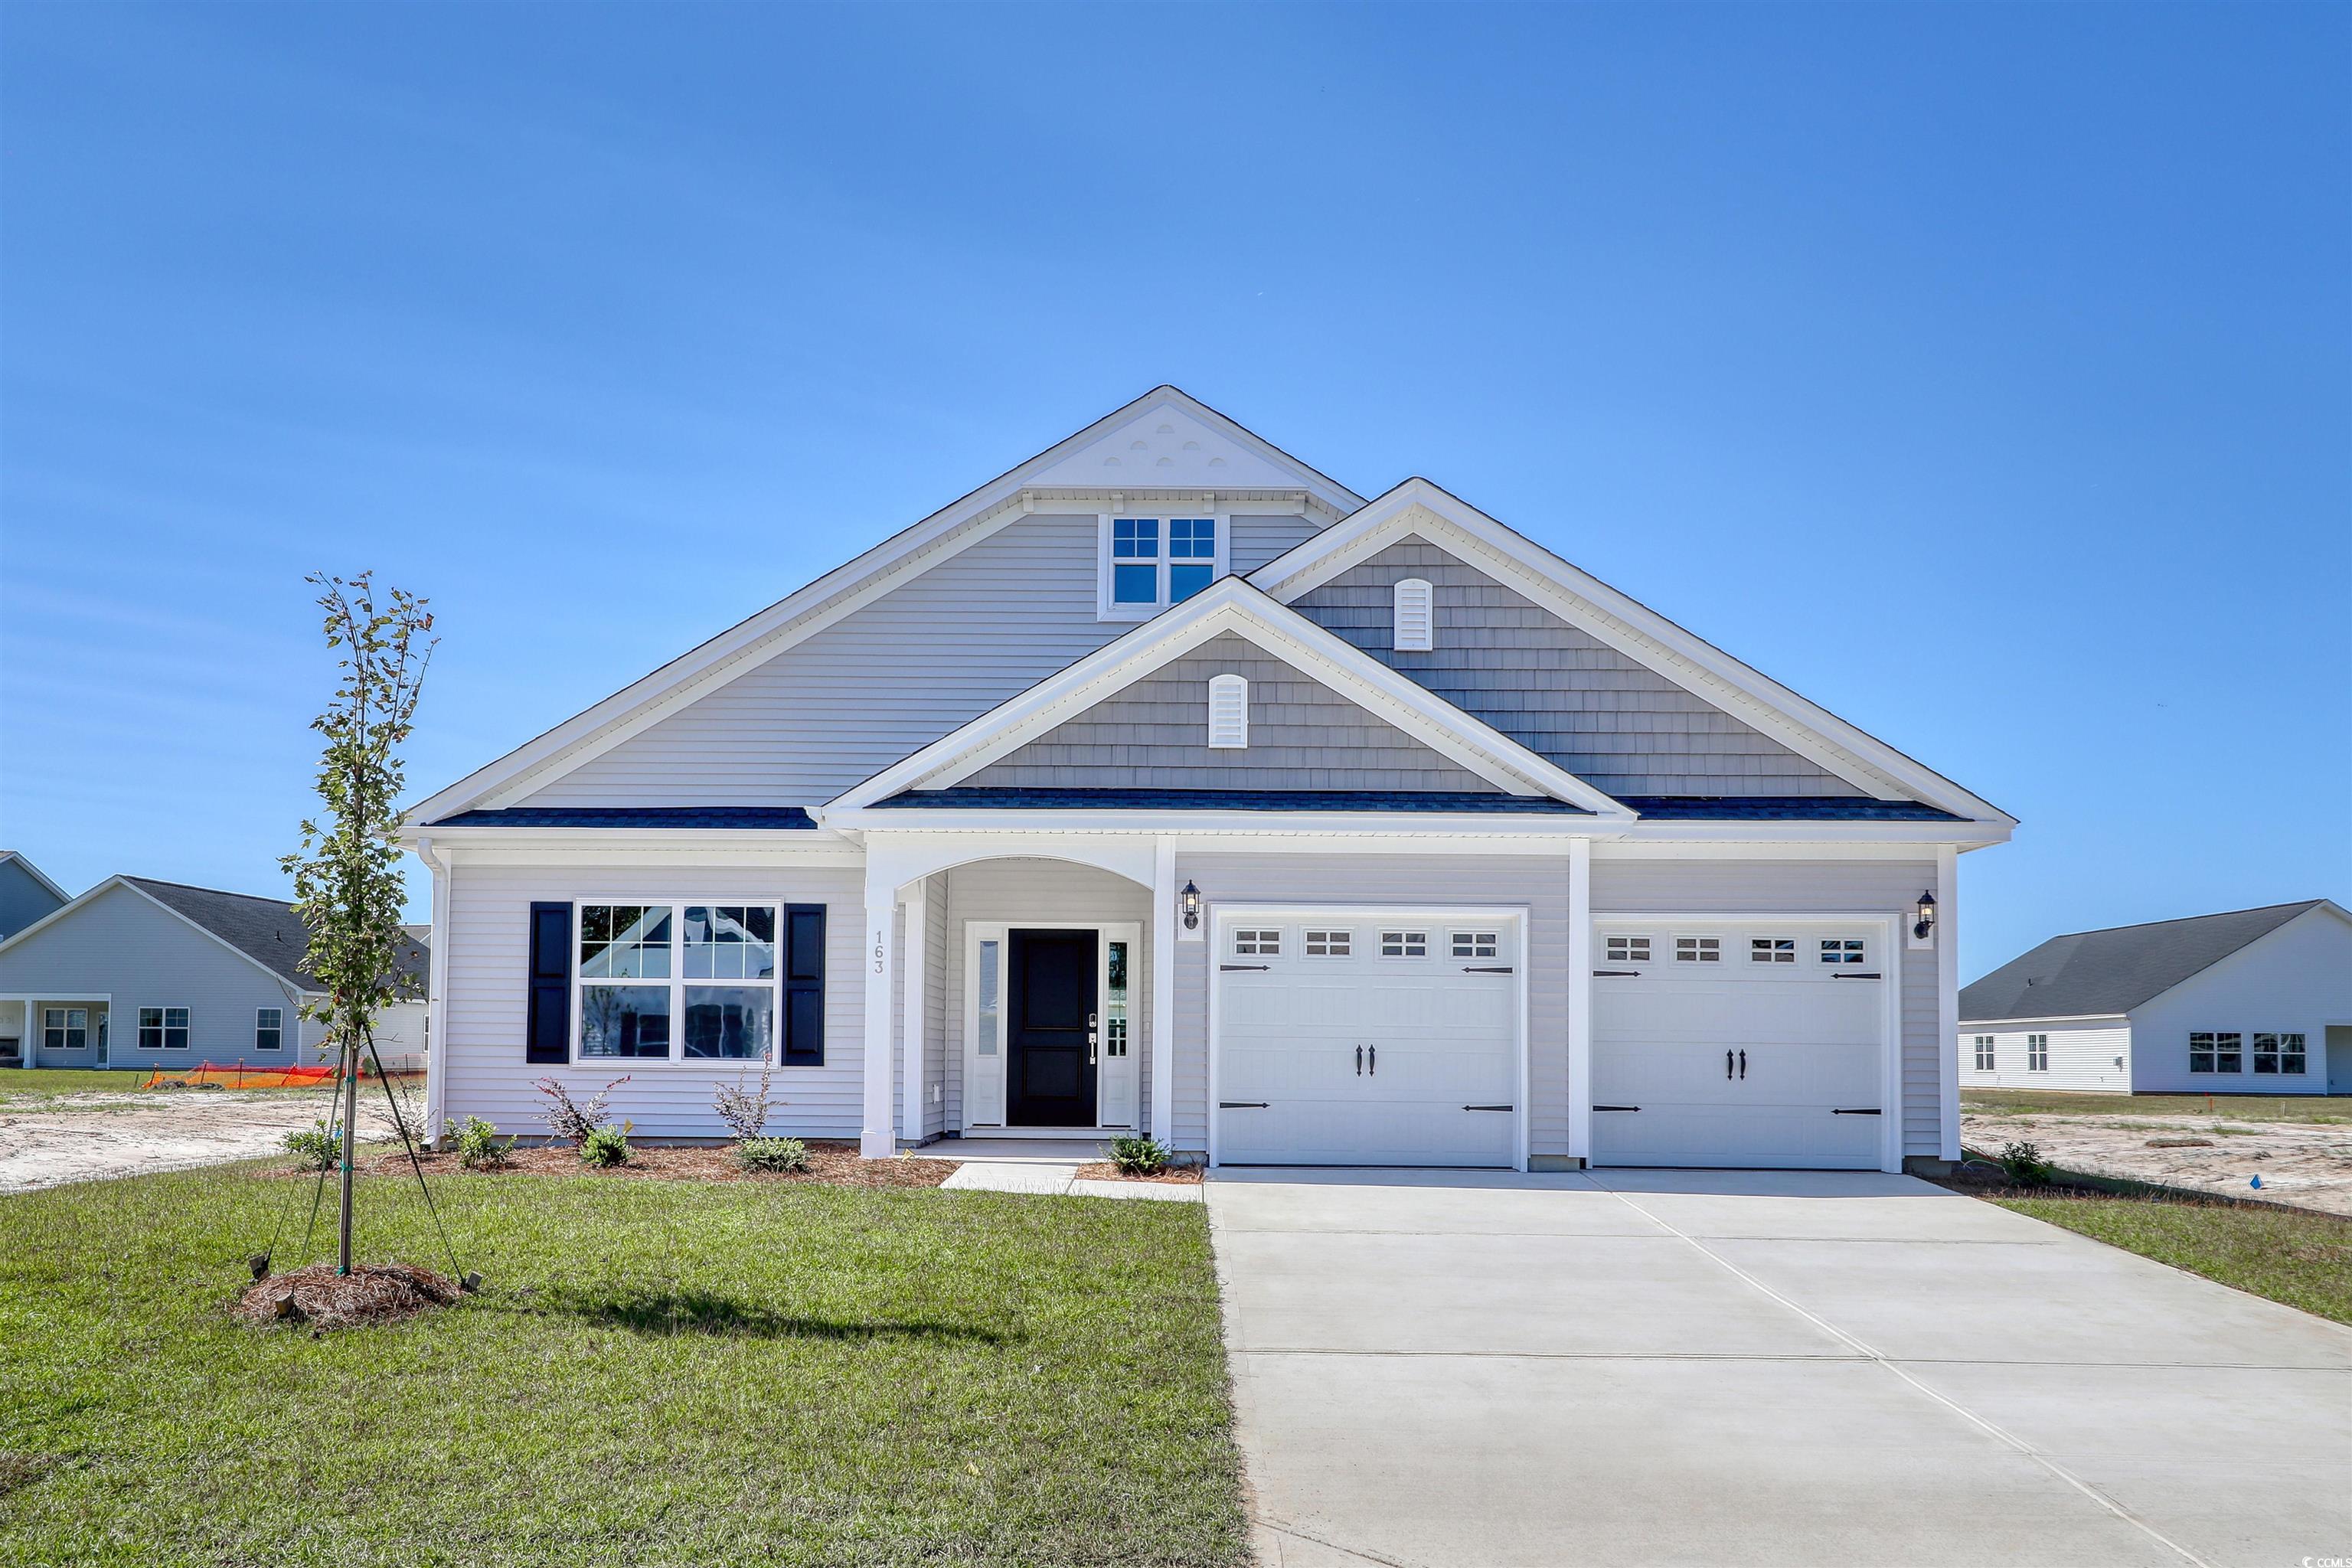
243	1076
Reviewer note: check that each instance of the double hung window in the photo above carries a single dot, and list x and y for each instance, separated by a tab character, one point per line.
1151	562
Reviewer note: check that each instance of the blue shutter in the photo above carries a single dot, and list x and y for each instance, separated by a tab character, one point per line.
548	1036
803	985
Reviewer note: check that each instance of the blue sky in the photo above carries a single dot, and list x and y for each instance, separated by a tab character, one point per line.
1982	371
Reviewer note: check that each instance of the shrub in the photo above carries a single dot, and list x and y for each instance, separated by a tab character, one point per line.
316	1147
606	1146
479	1147
1138	1156
773	1154
2023	1163
566	1118
745	1113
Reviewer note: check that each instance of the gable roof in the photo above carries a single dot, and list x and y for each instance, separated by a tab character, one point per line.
264	931
11	857
1077	461
1231	604
2093	973
1421	507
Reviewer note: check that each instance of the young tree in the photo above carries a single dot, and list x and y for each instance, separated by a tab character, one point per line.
347	881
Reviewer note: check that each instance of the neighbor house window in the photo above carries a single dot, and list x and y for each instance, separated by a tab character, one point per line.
163	1028
1772	950
1150	563
65	1028
1984	1053
1698	950
268	1029
686	981
1259	943
2216	1052
2037	1053
1329	943
1404	945
2279	1054
1629	950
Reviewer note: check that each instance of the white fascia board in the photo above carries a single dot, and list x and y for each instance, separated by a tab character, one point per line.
1971	835
1232	604
2122	1019
1226	824
125	883
809	610
595	845
1419	506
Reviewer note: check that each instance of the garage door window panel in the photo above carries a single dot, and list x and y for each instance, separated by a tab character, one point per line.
1772	950
1404	945
1698	950
1329	943
1259	941
1845	949
1628	949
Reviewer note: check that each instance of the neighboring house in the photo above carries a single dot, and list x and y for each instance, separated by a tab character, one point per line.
138	973
2252	1002
1163	782
25	895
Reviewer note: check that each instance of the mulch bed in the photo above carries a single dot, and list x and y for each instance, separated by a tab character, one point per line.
830	1164
1174	1175
317	1298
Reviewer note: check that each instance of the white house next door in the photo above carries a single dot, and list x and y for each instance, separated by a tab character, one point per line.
1367	1037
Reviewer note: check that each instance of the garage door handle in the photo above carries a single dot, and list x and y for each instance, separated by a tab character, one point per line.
1850	975
1617	974
1487	1107
1229	968
1243	1105
1486	969
1858	1111
1616	1108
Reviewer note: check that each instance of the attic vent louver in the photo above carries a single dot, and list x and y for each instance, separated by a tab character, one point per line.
1413	617
1228	713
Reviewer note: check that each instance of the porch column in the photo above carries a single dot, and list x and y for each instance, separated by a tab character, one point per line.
1947	939
1163	990
436	1001
1580	998
878	957
913	1091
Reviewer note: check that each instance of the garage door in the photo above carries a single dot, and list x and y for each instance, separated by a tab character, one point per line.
1372	1038
1730	1044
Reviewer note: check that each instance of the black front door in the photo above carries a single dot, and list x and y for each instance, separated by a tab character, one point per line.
1050	1041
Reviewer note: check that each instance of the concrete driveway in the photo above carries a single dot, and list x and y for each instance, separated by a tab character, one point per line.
1748	1368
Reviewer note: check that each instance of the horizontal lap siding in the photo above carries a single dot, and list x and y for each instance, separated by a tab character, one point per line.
2082	1056
1603	716
1259	540
488	950
1154	735
1797	887
1540	884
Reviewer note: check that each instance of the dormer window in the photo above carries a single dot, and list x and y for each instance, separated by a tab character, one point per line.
1151	562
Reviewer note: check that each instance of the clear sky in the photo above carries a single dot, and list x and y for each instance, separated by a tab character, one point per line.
1982	372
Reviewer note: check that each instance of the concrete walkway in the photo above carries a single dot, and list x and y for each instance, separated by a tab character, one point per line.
1043	1165
1717	1368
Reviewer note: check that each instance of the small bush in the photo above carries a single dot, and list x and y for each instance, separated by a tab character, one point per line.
479	1147
1138	1156
570	1120
604	1146
745	1112
773	1154
2023	1163
316	1147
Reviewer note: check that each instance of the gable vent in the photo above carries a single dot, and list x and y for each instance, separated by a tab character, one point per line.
1228	713
1414	615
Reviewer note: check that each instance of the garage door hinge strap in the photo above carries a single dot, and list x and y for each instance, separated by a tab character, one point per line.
1616	1108
1243	1105
1487	1107
1625	974
1230	967
1860	1110
1486	969
1850	975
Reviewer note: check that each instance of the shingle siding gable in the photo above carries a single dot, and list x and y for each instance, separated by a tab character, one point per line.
1555	690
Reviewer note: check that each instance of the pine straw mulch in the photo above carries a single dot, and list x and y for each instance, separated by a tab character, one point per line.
833	1164
317	1298
1172	1175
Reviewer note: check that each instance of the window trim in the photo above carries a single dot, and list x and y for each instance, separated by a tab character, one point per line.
2037	1052
64	1028
1220	561
677	980
164	1029
2280	1053
2216	1050
1987	1058
276	1027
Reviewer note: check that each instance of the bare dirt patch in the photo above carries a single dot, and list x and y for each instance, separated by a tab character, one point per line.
89	1137
2305	1164
317	1297
830	1164
1174	1175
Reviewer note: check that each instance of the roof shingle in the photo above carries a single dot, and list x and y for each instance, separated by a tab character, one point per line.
2093	973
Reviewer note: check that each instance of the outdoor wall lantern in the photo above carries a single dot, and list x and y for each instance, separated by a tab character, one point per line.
1926	922
1188	900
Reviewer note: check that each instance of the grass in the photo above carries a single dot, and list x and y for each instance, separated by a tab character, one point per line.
656	1372
2299	1256
43	1082
2311	1110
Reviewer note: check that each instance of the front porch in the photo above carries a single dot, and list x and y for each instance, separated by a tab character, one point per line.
55	1032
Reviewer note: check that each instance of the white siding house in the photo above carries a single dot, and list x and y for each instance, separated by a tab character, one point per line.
1163	784
2249	1002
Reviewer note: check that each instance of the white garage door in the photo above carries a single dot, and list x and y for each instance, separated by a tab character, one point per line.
1730	1044
1372	1038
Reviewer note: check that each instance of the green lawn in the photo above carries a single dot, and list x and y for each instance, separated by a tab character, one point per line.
657	1372
2319	1110
42	1082
2299	1256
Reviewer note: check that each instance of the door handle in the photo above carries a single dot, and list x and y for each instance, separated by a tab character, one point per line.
1743	1067
1727	1066
1360	1061
1376	1059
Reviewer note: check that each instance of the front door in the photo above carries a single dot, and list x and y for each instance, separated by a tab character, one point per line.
1050	1040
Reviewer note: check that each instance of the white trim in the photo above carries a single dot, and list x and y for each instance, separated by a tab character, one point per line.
1889	940
36	874
998	930
911	1088
877	959
437	994
675	983
1418	506
1946	941
1519	917
800	615
1165	924
1232	605
1579	1001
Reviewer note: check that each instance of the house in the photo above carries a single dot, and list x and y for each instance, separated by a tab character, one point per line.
25	895
1163	782
139	974
2251	1002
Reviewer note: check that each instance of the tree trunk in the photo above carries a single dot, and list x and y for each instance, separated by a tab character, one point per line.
351	1064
